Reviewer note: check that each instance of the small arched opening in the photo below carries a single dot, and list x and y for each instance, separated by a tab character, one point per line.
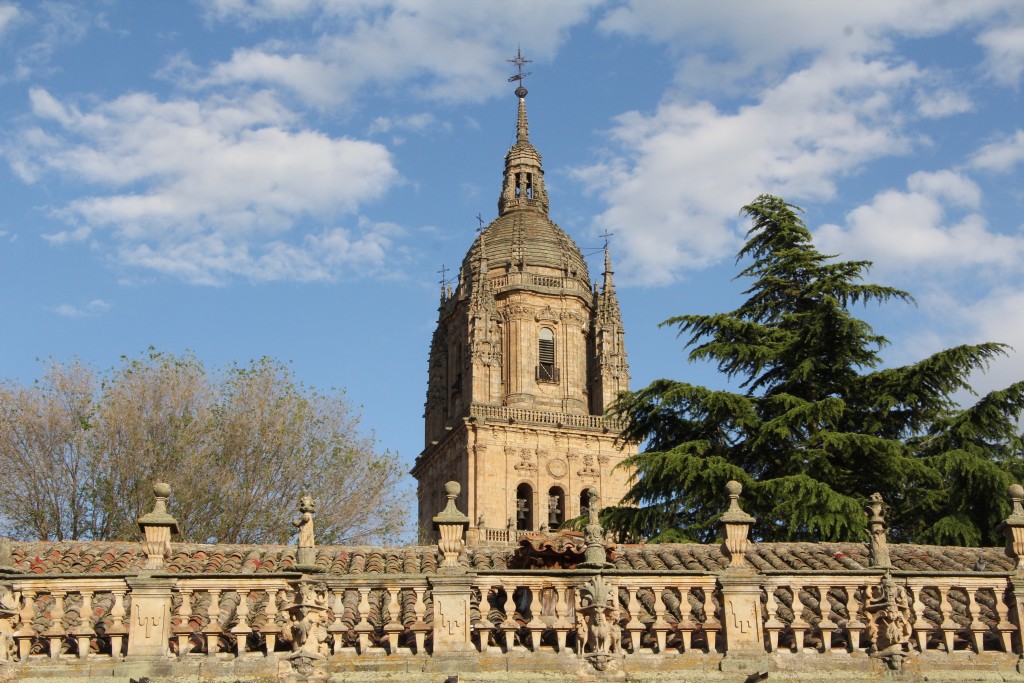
556	507
524	507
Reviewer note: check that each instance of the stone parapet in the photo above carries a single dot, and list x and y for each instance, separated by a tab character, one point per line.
671	622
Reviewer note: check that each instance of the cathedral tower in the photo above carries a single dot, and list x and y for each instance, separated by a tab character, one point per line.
526	358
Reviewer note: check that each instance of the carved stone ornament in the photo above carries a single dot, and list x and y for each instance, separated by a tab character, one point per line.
158	526
876	509
595	556
889	624
451	525
597	624
305	555
588	469
10	611
736	523
557	468
526	459
1013	527
546	314
307	629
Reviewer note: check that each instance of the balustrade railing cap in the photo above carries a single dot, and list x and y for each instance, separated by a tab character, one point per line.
735	514
159	516
1016	518
451	514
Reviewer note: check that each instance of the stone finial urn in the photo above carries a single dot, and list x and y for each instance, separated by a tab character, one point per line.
1013	527
736	524
158	526
451	525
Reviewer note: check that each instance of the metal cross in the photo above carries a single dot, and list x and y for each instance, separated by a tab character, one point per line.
443	272
520	62
606	235
480	219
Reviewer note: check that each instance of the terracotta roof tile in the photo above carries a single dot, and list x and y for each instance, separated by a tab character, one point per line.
83	557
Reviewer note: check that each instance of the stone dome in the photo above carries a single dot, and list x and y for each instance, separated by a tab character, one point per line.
527	240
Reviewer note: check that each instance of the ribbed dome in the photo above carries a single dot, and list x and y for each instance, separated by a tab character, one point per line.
527	240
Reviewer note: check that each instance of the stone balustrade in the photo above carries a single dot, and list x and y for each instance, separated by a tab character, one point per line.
658	613
740	606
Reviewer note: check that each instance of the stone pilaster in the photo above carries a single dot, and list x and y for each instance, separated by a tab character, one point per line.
451	595
149	626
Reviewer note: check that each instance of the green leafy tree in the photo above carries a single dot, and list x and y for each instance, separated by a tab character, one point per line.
817	424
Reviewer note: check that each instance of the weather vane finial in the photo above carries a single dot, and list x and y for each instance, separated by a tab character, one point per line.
520	62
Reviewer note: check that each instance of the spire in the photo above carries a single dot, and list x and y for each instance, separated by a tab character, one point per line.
523	186
608	272
522	126
608	302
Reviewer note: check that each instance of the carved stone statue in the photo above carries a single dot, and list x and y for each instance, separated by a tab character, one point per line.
876	510
306	554
597	630
889	624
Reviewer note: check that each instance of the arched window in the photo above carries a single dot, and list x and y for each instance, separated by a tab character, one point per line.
546	370
556	507
524	507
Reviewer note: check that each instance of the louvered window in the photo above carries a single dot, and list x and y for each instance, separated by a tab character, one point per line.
546	370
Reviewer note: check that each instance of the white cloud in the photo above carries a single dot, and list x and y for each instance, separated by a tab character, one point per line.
953	187
55	25
937	104
1004	47
62	237
995	317
444	49
203	189
258	10
1002	155
911	231
759	39
415	123
682	173
93	308
8	14
313	80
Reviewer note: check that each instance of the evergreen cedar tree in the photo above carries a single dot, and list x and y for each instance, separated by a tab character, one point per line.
817	426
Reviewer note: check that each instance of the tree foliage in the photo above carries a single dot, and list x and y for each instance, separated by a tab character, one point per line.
81	450
817	424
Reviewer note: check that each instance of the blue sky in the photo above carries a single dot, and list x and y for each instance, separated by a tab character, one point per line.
286	177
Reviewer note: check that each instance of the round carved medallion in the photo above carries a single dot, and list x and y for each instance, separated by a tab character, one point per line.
557	467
